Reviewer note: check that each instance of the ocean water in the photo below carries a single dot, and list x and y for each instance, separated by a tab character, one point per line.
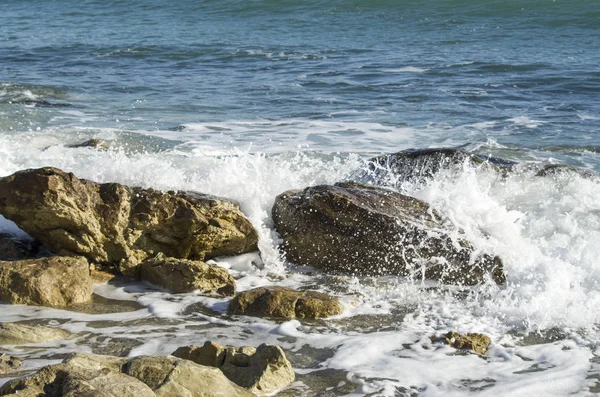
246	99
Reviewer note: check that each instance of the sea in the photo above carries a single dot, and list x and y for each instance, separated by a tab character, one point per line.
248	99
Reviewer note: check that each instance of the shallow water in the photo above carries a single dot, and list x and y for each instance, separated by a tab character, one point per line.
248	99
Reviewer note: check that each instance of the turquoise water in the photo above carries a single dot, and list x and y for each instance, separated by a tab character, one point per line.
247	99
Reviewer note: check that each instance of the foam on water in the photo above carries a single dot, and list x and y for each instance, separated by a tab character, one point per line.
544	228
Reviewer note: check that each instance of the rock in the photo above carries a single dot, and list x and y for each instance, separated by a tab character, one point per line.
263	370
112	224
419	165
55	281
87	375
20	334
95	143
12	248
170	376
563	170
366	230
281	302
9	363
476	342
183	275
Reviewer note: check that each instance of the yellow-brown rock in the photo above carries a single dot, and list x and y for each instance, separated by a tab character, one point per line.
475	342
287	303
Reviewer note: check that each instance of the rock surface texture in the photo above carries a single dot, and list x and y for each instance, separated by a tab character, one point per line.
184	275
55	281
9	363
87	375
263	370
113	224
18	334
365	230
281	302
476	342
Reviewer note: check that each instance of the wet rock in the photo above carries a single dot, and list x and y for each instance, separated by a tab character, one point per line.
419	165
475	342
12	248
104	376
95	143
9	363
55	281
170	376
366	230
183	275
112	224
563	170
282	302
263	370
19	334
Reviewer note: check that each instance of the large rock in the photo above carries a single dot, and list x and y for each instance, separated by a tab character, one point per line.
55	281
184	275
19	334
114	224
263	370
87	375
282	302
169	376
419	165
366	230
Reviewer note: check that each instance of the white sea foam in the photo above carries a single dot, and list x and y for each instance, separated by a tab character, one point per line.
544	228
406	69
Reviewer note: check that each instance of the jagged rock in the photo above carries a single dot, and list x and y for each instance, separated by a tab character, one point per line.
282	302
263	370
9	363
418	165
183	275
112	224
476	342
170	376
19	334
366	230
106	376
12	248
55	281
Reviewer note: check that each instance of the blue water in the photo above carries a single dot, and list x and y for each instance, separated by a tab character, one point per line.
434	66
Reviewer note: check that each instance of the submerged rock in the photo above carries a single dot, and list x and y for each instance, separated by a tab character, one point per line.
95	143
365	230
113	224
183	275
19	334
263	370
9	363
106	376
418	165
282	302
475	342
55	281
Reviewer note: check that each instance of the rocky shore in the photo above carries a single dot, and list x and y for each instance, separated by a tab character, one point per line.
84	232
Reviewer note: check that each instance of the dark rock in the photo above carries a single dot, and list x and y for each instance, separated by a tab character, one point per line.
282	302
112	224
55	281
13	248
95	143
365	230
419	165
